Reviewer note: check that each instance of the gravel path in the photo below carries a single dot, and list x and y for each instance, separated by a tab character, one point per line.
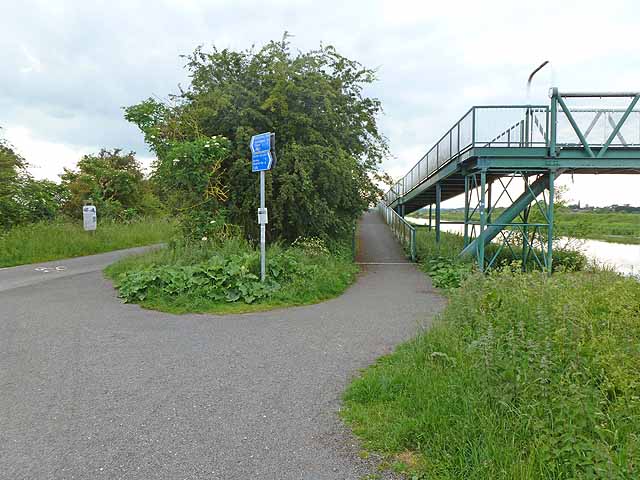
91	388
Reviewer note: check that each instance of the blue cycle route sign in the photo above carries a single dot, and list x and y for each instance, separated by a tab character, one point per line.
262	154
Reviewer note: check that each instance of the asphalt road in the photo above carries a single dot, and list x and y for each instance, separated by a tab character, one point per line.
91	388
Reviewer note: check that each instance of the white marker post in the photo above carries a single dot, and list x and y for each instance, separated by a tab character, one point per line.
262	159
89	218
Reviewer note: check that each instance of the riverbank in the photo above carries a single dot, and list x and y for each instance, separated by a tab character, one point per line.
623	258
608	227
523	376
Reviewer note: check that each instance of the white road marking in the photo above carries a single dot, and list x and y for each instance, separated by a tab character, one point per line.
59	268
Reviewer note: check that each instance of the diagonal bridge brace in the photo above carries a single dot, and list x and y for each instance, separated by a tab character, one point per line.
509	214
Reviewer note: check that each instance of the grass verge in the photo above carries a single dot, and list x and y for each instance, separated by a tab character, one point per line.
524	376
223	278
45	241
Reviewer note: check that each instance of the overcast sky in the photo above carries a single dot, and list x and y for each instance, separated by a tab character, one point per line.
69	66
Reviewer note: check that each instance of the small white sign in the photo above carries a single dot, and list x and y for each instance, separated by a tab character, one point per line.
263	218
89	218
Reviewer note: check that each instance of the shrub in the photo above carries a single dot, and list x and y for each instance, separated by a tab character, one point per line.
200	276
231	278
328	144
113	182
447	273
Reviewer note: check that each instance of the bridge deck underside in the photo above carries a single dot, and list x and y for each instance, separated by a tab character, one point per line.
502	162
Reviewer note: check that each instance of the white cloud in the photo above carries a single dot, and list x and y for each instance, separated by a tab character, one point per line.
46	159
69	68
32	64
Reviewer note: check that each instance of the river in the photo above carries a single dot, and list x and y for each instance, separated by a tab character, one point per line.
623	257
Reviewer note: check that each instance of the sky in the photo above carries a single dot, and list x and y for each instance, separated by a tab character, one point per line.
69	66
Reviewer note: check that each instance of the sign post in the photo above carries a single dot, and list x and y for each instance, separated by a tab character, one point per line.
262	159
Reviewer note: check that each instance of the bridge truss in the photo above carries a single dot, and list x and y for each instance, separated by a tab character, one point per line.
492	148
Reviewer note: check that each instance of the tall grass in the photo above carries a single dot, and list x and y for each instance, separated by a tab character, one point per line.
524	376
41	242
565	259
450	244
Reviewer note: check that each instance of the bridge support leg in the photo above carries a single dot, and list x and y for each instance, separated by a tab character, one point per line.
466	210
438	198
401	212
489	204
483	218
524	235
430	216
525	228
550	220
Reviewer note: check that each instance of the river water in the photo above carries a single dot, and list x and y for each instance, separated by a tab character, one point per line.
623	257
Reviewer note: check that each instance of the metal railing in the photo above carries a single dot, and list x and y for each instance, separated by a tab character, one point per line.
402	230
520	125
531	126
570	128
597	124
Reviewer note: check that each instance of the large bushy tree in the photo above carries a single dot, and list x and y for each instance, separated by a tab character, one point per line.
328	143
22	198
112	180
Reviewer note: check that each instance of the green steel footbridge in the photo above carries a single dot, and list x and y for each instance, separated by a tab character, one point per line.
491	149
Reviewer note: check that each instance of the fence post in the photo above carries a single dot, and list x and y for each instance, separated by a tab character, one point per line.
413	245
438	199
353	241
550	219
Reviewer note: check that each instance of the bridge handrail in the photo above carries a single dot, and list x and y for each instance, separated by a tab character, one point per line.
402	230
453	144
525	126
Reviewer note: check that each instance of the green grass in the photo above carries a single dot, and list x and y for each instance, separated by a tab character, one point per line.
450	244
524	376
317	276
46	241
610	227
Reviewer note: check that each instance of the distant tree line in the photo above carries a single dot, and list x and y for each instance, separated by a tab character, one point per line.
626	208
111	180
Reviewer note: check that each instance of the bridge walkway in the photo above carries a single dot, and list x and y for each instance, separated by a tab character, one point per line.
490	146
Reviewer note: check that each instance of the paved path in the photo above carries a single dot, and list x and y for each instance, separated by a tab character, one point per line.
91	388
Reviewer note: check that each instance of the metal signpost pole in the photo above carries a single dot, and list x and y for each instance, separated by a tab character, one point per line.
263	249
263	158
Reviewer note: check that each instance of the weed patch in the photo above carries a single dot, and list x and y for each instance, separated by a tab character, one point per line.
224	277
